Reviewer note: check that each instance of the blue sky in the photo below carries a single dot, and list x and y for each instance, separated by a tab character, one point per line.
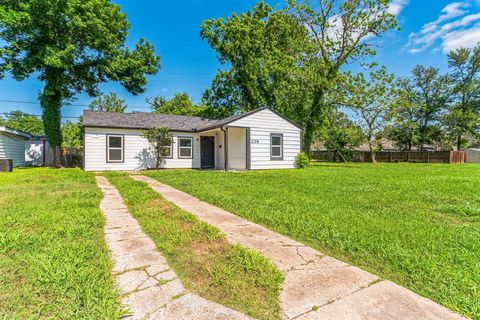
429	28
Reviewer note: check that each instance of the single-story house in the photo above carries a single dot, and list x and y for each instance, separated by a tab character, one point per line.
259	139
22	147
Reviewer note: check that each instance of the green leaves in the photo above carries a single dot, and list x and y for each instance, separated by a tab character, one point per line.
74	45
180	104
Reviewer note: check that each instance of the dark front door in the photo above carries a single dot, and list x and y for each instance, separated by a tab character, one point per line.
207	149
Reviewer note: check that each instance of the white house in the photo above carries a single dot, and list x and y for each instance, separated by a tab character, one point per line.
260	139
22	147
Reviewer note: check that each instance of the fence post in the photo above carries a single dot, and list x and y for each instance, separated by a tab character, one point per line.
390	156
408	156
428	156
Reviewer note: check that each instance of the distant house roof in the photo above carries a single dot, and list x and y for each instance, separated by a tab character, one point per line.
148	120
15	132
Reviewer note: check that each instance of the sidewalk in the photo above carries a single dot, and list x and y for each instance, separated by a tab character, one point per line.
149	288
316	286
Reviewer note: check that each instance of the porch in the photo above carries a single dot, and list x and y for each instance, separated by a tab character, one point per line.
225	148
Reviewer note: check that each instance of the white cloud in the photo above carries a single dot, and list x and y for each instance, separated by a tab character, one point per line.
396	6
456	26
468	38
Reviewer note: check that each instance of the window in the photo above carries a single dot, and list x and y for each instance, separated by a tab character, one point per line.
168	150
185	147
114	148
276	146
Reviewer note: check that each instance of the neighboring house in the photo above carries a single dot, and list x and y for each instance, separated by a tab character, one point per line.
260	139
22	147
472	154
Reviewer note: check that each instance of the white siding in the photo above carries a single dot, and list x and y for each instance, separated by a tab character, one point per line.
262	124
472	155
220	150
237	148
137	154
12	147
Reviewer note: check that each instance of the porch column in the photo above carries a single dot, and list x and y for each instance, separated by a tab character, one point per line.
225	149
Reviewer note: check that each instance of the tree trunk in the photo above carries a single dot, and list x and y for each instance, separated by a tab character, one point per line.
372	152
459	142
409	146
51	102
312	120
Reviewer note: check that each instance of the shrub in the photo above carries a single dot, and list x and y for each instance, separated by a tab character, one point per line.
302	160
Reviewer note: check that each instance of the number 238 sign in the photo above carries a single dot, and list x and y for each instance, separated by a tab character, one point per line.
255	141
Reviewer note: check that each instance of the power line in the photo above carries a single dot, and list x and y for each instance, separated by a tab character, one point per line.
65	105
37	115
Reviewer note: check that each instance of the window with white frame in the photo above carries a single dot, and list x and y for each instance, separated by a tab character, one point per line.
276	146
185	147
169	149
114	148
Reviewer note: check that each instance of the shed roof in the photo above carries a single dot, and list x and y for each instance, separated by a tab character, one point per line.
15	132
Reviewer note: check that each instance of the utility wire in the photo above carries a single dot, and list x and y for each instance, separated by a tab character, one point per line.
65	105
38	115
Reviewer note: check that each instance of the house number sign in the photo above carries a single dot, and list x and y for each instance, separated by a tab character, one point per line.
255	141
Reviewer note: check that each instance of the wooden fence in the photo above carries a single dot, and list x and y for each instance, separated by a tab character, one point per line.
72	157
392	156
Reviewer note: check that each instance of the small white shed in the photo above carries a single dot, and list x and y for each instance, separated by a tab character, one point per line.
22	147
259	139
472	155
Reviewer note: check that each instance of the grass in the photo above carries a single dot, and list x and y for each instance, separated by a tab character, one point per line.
201	256
53	259
415	224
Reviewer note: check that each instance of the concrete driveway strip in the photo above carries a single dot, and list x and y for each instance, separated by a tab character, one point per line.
148	287
316	286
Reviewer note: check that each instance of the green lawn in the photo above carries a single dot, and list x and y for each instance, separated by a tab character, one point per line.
415	224
201	256
53	259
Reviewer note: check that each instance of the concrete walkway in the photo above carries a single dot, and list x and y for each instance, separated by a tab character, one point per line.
316	286
149	288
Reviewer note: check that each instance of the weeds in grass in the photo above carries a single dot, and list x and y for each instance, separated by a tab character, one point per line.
53	259
415	224
201	256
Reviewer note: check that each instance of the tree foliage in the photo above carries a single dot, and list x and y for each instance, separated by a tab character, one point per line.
290	59
370	98
159	139
108	103
72	46
72	134
22	121
180	104
463	116
341	133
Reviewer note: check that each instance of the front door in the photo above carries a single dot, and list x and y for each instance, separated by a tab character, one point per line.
207	149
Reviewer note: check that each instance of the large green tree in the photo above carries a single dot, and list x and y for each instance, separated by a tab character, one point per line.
262	47
370	98
23	121
463	116
180	104
108	103
291	59
72	45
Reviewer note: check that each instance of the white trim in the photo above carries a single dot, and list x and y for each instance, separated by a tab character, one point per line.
180	147
115	148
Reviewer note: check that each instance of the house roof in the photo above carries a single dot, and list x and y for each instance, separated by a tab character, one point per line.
148	120
15	132
143	120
